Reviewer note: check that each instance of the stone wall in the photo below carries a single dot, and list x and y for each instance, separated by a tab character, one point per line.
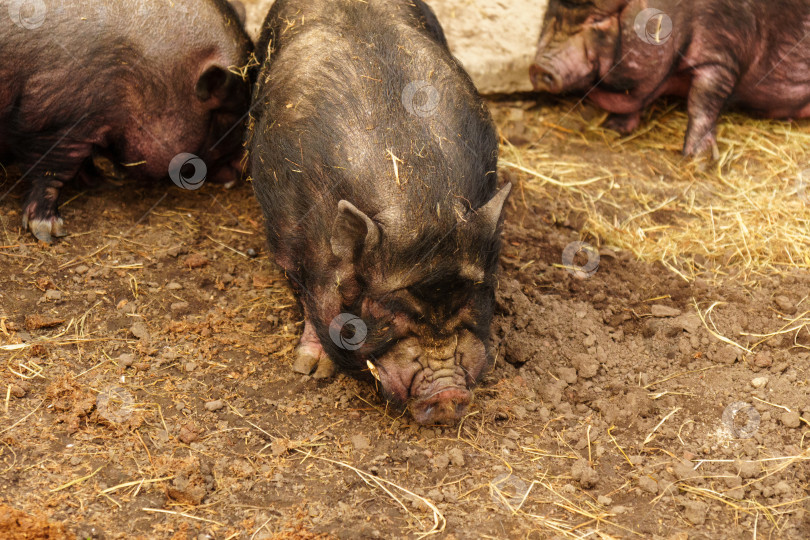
495	40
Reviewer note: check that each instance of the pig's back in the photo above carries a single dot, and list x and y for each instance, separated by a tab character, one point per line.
337	90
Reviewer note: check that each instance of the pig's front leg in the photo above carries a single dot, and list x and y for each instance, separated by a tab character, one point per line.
711	87
50	167
309	355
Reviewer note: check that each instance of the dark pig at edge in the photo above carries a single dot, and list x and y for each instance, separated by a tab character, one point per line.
140	81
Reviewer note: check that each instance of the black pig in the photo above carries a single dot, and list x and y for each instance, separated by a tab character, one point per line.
626	53
374	160
140	81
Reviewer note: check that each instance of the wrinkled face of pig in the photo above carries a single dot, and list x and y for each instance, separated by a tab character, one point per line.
422	317
577	45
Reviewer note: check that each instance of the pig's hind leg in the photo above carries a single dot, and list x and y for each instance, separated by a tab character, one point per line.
50	167
712	85
310	355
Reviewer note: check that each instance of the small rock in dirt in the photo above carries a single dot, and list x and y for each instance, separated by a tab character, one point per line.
782	488
173	286
587	366
214	405
189	432
251	253
456	457
53	294
441	461
581	472
695	512
791	419
727	354
126	359
178	307
176	251
360	442
17	391
748	469
567	374
684	470
618	509
784	304
81	269
604	500
195	260
517	352
759	382
140	331
648	484
763	359
659	310
190	366
734	483
688	322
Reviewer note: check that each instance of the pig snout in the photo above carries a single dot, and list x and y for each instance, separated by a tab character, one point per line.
545	78
434	381
446	403
565	65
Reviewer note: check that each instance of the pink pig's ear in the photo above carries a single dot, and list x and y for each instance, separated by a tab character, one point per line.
488	216
354	234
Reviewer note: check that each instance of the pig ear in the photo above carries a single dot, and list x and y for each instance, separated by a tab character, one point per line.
212	84
353	233
239	8
488	216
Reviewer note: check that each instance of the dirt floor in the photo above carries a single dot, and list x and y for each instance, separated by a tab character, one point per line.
146	389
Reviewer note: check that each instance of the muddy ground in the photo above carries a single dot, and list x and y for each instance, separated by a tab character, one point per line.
146	390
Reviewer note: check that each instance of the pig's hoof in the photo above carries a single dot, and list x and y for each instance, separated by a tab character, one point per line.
45	229
624	124
704	146
326	368
309	357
